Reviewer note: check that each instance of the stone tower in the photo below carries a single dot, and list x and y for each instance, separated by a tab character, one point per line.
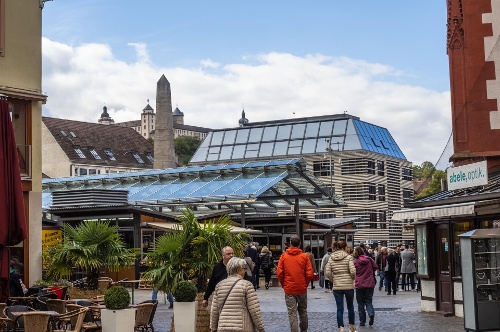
105	118
164	130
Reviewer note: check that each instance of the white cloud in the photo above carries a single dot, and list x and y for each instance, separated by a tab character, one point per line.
79	80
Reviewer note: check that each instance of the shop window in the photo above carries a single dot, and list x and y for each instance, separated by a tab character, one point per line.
422	257
490	224
459	228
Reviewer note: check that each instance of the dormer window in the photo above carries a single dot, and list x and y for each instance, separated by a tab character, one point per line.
138	158
150	158
79	152
94	153
72	134
63	133
109	154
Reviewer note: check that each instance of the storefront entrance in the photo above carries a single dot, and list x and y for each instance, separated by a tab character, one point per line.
444	292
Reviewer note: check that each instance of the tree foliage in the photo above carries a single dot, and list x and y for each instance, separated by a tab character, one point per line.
435	184
186	146
91	246
191	251
424	171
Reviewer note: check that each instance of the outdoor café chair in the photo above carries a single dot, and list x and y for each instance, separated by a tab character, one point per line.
41	303
18	320
75	319
2	306
89	321
56	305
36	321
142	316
152	316
104	283
6	324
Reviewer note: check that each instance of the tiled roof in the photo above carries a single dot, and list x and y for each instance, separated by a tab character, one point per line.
133	123
121	141
192	128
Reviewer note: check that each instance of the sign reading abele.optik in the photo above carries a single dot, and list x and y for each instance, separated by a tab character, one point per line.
467	176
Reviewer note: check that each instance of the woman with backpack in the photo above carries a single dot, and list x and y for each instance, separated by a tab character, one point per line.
266	264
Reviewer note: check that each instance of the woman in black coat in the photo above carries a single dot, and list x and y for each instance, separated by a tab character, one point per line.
391	268
15	281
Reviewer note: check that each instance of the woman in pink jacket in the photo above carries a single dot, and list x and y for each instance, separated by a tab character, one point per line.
364	285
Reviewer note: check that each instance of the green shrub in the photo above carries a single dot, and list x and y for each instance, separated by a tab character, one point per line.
185	291
116	297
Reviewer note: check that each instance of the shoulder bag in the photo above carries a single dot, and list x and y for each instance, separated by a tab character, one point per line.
230	289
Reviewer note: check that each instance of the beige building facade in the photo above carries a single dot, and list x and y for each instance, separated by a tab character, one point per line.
21	84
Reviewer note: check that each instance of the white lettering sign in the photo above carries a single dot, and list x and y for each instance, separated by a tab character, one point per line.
467	176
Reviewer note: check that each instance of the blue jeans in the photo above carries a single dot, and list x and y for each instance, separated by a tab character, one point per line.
364	297
383	280
339	300
154	296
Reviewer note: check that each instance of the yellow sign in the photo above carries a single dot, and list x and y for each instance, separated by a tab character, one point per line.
51	238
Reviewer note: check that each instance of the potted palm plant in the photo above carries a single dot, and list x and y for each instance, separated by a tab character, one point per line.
92	246
189	253
117	317
185	306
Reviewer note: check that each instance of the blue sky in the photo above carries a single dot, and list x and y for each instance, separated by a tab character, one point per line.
385	63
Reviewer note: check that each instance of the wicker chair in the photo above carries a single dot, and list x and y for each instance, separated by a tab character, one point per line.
89	321
142	316
19	321
2	307
104	283
36	321
41	303
56	305
76	317
6	324
153	312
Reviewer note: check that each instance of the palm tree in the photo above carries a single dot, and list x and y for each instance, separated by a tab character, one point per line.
91	246
191	251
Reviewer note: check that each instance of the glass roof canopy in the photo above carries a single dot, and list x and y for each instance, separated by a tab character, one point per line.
269	184
301	137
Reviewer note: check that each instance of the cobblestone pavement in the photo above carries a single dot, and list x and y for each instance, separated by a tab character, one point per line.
392	313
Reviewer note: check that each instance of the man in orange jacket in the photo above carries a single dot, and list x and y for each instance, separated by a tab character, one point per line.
294	272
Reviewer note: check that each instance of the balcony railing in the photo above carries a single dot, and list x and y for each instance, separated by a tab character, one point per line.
24	157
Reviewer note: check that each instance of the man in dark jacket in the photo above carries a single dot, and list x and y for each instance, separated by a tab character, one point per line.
15	281
219	273
391	271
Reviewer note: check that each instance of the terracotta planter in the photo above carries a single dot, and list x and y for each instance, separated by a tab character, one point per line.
118	320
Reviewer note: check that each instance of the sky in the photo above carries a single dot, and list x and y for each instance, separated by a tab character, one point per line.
382	61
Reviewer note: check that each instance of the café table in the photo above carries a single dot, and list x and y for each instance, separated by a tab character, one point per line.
19	314
22	300
133	283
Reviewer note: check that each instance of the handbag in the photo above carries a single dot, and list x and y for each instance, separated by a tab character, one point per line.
321	280
315	276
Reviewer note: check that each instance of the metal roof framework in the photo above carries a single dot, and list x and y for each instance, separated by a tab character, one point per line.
259	184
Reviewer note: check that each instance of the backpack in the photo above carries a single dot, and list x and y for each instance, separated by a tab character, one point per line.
264	261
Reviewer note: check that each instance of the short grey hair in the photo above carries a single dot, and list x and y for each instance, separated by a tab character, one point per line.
224	249
234	265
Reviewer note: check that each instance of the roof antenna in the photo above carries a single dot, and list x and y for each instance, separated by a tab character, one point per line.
148	100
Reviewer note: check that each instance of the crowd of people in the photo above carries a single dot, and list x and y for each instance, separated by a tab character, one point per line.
349	273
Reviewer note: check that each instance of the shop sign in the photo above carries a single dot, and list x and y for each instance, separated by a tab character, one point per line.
467	176
51	238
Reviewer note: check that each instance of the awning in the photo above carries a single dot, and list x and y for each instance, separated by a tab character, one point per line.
170	226
435	211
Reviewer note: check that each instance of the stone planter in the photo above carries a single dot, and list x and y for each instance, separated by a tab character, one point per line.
185	316
118	320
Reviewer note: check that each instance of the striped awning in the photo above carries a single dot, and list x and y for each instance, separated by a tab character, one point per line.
435	211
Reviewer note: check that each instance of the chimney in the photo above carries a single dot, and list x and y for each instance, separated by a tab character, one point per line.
164	131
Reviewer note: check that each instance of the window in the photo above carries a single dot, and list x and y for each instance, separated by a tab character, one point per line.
92	171
79	152
407	195
62	131
109	154
2	27
138	158
407	174
319	215
82	171
72	134
459	228
382	218
322	168
373	220
381	192
150	158
422	257
370	167
380	168
372	192
94	153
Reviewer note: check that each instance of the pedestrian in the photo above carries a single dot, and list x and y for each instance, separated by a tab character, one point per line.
391	271
294	272
15	281
381	263
310	255
365	284
324	261
408	268
266	263
250	266
341	271
219	273
170	297
235	306
253	253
